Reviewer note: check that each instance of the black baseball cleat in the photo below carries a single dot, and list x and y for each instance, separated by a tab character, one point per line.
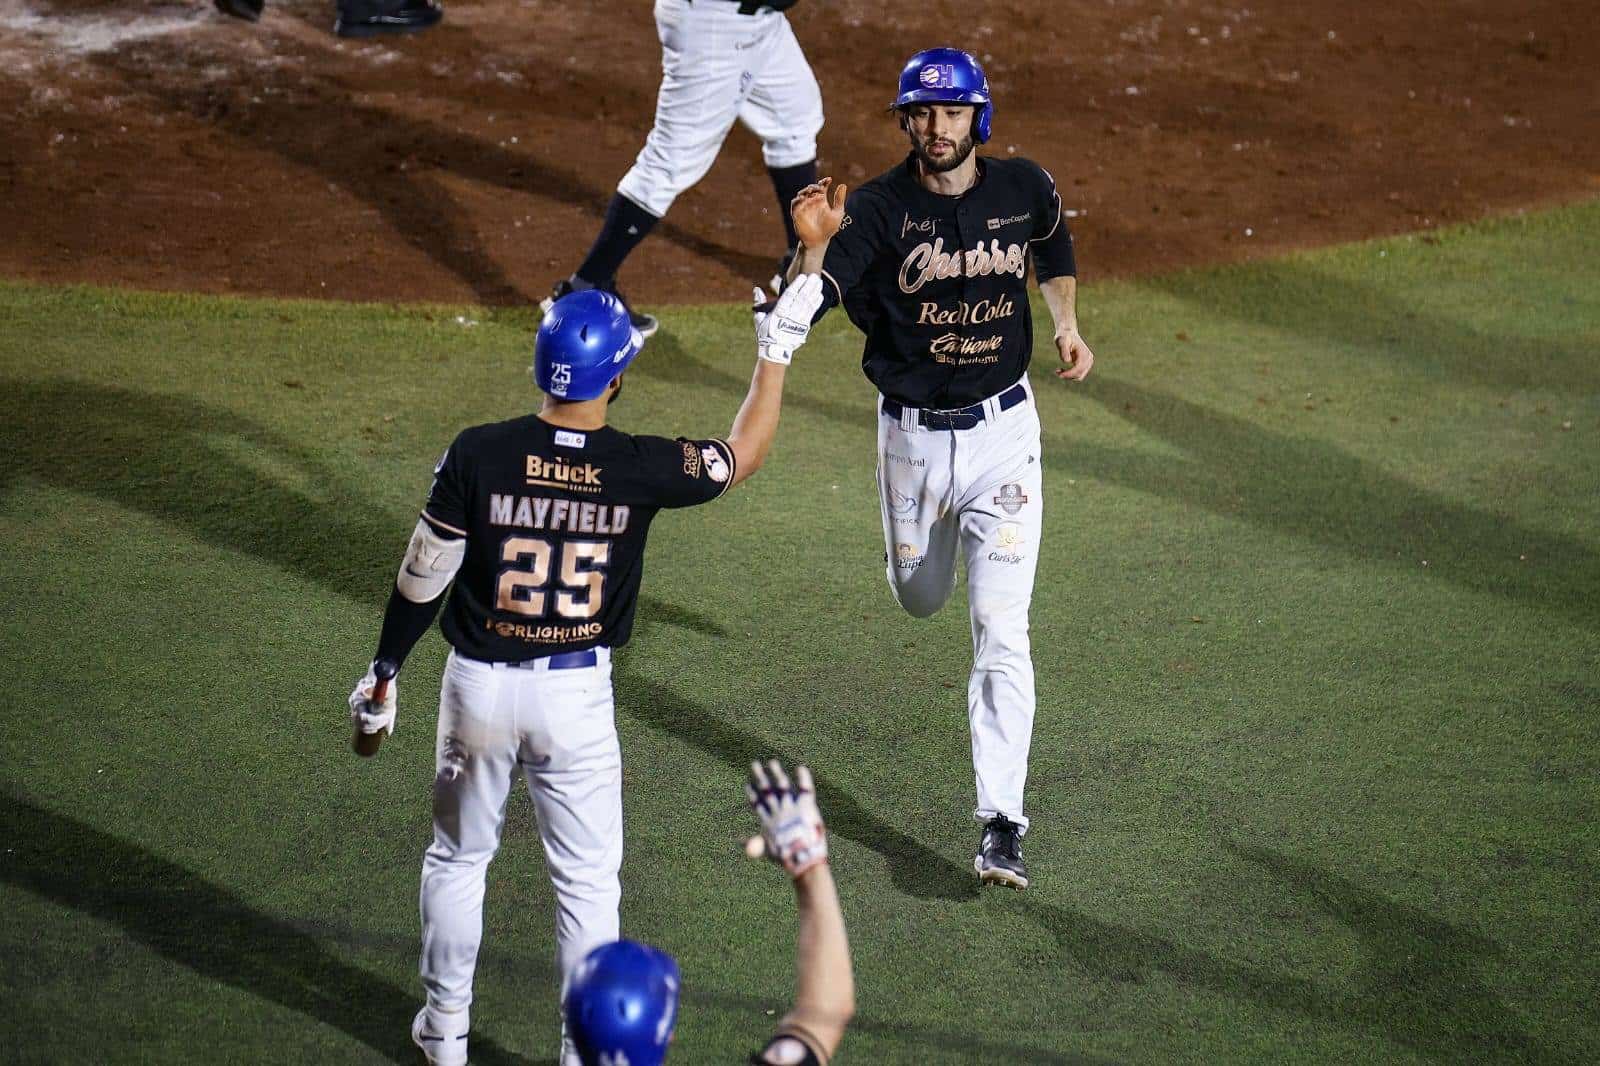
376	18
999	858
249	10
645	324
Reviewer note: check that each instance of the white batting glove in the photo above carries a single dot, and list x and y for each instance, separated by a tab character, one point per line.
370	717
781	331
792	833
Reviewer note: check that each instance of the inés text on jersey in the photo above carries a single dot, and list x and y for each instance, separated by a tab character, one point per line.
571	516
929	260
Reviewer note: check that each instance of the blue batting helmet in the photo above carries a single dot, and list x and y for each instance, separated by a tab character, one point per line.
622	1003
947	76
584	341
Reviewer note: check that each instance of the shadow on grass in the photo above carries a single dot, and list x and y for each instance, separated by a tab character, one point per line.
665	360
1384	326
187	919
914	868
1311	490
1424	987
189	464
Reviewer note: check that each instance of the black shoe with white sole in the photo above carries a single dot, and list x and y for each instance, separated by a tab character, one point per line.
376	18
249	10
999	858
645	324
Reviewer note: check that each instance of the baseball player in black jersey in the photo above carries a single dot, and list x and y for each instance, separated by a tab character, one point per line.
540	522
930	261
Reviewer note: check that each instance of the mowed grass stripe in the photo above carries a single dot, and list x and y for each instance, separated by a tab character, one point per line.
1316	633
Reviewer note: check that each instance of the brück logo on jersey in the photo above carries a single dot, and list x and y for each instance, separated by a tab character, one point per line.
560	474
937	76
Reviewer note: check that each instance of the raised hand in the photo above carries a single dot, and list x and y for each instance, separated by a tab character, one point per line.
818	211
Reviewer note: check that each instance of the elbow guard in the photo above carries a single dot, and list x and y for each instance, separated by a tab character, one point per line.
431	562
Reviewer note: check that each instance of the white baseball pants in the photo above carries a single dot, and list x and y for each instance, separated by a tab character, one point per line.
974	494
716	66
557	728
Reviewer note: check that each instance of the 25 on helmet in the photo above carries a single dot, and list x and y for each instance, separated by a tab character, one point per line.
622	1003
947	76
585	340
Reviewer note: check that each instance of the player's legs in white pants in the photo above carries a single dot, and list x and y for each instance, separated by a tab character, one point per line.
977	494
718	65
559	727
784	105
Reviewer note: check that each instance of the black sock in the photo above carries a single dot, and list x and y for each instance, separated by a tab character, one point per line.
787	183
626	225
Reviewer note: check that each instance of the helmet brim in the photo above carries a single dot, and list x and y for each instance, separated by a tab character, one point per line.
970	97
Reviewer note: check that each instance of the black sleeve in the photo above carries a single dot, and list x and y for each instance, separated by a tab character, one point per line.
852	249
1051	241
404	623
446	509
682	473
762	1058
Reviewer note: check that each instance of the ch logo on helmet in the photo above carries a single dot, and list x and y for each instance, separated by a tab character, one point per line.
560	378
937	76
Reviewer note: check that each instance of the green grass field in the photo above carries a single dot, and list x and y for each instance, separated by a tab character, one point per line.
1317	629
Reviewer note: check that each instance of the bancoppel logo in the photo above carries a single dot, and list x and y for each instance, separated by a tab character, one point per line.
568	439
998	223
560	378
716	465
1011	498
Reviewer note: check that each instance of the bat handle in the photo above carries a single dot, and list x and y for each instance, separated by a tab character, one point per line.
366	745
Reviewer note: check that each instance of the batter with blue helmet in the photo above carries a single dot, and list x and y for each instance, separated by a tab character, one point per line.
930	261
536	527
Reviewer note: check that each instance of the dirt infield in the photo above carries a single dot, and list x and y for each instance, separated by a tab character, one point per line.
163	145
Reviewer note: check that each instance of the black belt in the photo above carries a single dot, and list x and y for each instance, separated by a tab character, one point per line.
964	418
746	7
567	660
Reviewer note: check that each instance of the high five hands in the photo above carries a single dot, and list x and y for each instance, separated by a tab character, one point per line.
818	212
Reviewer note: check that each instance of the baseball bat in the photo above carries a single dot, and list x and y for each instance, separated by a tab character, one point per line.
366	745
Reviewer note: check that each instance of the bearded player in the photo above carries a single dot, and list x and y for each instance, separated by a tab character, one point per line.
540	522
930	261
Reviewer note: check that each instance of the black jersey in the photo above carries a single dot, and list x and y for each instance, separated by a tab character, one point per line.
555	521
939	283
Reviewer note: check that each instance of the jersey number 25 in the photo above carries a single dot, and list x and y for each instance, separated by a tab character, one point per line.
521	586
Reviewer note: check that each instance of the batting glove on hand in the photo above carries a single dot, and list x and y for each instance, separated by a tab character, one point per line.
781	331
792	833
370	717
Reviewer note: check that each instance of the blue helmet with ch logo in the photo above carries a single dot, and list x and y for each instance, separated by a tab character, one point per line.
584	341
947	76
621	1004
